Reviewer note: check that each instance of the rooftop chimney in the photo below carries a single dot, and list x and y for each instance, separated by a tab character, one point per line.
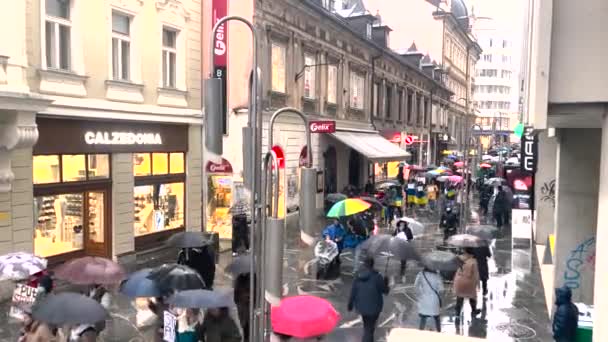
413	56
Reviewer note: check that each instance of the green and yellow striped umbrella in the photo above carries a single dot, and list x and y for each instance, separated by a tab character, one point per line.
347	207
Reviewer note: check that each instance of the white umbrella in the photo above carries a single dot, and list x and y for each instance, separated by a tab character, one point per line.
416	227
20	265
442	178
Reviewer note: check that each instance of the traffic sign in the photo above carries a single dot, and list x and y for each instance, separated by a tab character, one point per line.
409	140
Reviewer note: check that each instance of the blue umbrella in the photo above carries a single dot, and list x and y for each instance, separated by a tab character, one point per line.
451	156
138	285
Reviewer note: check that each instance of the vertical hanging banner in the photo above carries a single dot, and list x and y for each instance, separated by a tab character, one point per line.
220	61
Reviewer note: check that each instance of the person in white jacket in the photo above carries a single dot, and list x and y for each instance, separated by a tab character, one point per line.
429	290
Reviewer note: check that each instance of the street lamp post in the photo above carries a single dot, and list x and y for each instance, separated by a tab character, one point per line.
267	233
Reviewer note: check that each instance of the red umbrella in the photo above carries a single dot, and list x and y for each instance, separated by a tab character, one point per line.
91	270
485	165
304	317
459	164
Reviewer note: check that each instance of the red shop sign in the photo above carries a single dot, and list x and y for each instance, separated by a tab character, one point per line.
278	151
303	155
220	10
224	167
322	126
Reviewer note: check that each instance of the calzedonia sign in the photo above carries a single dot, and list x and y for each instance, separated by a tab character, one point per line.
122	138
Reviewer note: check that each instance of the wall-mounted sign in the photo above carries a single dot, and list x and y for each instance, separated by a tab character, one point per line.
122	138
322	126
396	138
529	150
224	167
409	140
68	136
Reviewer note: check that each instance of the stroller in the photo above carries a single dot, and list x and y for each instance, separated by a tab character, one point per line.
326	253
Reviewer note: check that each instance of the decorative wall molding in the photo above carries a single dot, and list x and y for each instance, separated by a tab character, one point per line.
174	9
132	6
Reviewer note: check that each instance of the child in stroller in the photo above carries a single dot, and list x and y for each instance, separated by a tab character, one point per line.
328	260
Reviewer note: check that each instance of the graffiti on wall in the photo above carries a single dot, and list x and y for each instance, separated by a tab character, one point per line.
580	259
548	192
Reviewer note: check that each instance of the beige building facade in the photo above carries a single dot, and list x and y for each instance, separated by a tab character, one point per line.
113	164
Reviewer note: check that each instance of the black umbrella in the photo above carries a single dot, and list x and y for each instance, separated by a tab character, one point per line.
440	261
203	299
174	277
333	198
376	205
138	285
188	240
387	184
68	308
466	240
240	265
393	246
485	232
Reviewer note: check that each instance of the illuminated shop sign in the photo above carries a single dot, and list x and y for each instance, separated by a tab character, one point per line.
122	138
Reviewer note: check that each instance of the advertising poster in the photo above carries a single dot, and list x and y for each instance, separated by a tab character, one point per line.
23	296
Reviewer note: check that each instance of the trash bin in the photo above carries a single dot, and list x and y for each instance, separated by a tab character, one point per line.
584	332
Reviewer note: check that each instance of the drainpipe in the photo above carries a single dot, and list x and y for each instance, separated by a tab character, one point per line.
371	114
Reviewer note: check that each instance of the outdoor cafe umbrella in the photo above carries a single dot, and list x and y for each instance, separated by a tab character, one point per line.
20	265
174	277
69	308
204	299
90	270
390	245
376	205
188	240
347	207
239	265
304	317
466	240
137	285
416	227
485	232
440	261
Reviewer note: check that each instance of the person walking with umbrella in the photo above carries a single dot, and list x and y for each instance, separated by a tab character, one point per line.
429	287
202	260
403	232
466	281
482	254
366	297
242	299
500	207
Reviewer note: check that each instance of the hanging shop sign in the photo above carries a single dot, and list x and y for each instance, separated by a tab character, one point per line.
224	167
529	150
220	53
396	138
278	151
322	126
65	136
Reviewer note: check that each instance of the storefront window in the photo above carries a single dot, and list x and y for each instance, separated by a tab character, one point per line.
58	224
46	169
142	165
159	197
160	163
176	162
73	168
98	165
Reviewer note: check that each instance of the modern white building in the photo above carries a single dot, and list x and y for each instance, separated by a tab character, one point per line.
496	94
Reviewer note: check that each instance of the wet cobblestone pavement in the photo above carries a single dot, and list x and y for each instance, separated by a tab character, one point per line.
514	309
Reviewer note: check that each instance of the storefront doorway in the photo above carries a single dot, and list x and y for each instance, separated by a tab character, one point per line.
219	198
331	182
354	168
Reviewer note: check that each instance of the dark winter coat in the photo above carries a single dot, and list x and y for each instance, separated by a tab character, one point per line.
565	319
366	293
202	261
219	329
500	203
449	220
482	254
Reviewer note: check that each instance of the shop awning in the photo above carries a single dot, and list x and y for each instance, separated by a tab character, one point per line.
372	145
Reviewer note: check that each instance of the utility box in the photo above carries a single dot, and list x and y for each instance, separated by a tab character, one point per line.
584	332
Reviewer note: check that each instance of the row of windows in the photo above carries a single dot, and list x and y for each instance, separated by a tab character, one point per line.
492	105
503	58
499	123
492	89
58	43
506	74
497	42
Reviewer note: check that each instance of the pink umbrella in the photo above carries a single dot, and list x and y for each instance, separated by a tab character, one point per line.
485	165
459	164
90	270
455	179
304	317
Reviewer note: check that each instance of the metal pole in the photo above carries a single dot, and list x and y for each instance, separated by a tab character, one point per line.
255	145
